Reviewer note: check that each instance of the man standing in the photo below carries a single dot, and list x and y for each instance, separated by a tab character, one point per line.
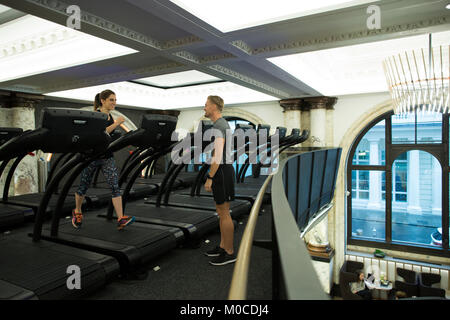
220	181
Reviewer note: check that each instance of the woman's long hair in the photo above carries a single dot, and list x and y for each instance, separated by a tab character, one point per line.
102	95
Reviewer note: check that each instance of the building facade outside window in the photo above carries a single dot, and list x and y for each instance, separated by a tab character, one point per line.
398	182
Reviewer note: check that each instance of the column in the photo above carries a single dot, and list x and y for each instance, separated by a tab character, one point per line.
23	116
321	128
320	133
292	114
374	177
413	191
436	187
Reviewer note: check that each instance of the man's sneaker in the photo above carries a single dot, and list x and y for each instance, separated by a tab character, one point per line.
214	252
124	221
223	259
77	219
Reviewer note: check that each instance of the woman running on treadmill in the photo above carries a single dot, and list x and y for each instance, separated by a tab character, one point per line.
105	102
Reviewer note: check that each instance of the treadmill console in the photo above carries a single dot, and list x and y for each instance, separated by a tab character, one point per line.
73	130
158	130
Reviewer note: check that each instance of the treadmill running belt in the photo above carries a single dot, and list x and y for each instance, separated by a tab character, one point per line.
194	223
137	243
41	269
237	207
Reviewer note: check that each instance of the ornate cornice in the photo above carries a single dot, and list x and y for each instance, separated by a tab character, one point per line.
181	42
241	45
186	55
91	19
291	104
35	41
306	45
244	78
19	99
309	103
320	102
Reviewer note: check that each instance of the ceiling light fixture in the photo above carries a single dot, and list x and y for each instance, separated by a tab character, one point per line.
419	80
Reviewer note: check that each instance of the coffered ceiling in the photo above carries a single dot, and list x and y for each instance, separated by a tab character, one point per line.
150	38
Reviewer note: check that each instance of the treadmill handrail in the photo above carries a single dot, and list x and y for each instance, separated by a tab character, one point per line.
130	183
40	215
10	176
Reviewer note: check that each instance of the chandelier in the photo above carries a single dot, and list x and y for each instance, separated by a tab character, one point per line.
419	80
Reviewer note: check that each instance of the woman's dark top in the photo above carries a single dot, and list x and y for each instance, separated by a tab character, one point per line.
108	123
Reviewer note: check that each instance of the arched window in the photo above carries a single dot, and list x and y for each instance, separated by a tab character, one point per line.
398	184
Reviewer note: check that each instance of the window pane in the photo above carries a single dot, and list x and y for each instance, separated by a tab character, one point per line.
429	127
403	128
416	197
371	148
368	205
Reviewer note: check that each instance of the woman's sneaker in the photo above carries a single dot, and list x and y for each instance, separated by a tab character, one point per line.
77	219
214	252
124	221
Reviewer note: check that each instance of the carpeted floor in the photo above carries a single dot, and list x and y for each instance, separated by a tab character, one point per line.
185	274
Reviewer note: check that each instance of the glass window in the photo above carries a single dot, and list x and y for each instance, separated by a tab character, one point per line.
371	148
429	127
368	205
421	214
415	186
403	128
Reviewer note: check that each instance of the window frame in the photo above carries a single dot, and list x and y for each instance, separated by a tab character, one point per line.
439	150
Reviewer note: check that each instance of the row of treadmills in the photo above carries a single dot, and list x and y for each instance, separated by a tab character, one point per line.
35	264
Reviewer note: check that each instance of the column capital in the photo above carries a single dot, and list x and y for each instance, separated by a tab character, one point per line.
291	104
10	99
320	102
308	103
174	113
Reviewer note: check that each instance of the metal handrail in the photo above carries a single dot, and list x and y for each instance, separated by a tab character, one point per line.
238	288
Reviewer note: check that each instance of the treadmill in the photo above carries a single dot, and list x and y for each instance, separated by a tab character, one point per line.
194	223
11	215
40	269
180	200
136	244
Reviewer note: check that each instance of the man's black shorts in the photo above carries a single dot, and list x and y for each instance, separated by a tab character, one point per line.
223	184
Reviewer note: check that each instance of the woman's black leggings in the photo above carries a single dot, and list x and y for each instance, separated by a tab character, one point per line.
109	170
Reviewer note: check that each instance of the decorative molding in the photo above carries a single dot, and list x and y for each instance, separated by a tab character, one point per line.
175	43
96	21
306	45
241	45
19	99
186	55
320	102
309	103
216	57
134	74
36	41
244	78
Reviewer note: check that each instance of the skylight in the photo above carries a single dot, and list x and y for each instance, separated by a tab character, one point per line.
352	69
234	15
179	79
138	95
30	45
